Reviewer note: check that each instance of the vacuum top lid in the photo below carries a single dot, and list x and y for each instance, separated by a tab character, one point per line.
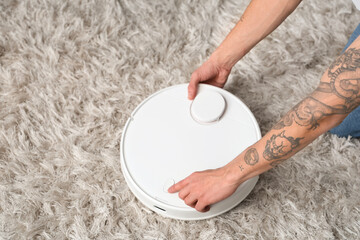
207	107
168	137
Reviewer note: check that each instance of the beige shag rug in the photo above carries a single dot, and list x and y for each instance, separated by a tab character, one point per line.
71	72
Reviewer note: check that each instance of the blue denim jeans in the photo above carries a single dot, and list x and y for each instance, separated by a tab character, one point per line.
350	126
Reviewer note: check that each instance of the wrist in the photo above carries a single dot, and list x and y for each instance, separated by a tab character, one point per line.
233	174
239	170
225	58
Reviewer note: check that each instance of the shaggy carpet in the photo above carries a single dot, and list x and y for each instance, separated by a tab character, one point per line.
71	72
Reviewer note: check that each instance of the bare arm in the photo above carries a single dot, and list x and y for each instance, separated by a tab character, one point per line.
260	18
337	94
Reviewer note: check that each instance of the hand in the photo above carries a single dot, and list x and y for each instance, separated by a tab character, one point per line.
201	189
210	72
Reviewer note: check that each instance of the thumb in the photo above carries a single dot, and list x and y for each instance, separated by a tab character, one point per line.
193	85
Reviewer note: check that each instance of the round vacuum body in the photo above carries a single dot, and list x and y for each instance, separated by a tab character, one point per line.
168	137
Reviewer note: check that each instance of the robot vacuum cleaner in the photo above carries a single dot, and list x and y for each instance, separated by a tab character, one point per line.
168	137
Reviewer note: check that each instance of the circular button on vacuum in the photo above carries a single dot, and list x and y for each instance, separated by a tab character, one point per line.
207	107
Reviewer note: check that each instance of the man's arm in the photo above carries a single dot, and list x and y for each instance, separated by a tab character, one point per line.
260	18
337	94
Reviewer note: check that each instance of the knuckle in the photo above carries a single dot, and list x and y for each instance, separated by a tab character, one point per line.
205	202
201	200
183	194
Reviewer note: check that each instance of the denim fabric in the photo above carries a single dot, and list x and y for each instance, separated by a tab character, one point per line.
351	124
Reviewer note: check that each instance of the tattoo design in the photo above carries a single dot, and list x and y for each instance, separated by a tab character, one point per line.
307	113
251	156
344	75
278	146
343	88
241	167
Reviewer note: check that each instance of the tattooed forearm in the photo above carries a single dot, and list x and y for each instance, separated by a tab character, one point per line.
251	156
307	113
337	94
344	84
277	162
344	76
279	145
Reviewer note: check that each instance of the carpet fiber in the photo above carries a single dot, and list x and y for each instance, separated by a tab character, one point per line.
71	72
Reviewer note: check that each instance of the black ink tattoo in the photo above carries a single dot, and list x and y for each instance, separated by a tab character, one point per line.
278	146
343	88
251	156
324	87
307	113
241	167
344	75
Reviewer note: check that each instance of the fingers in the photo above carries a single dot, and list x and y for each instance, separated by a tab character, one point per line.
203	77
202	206
190	201
178	186
193	85
184	193
183	190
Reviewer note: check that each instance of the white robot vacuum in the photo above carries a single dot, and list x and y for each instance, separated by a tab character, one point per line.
168	137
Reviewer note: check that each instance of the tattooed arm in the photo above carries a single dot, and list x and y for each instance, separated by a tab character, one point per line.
337	94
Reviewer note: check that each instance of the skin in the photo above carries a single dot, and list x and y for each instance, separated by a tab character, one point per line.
337	94
260	18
